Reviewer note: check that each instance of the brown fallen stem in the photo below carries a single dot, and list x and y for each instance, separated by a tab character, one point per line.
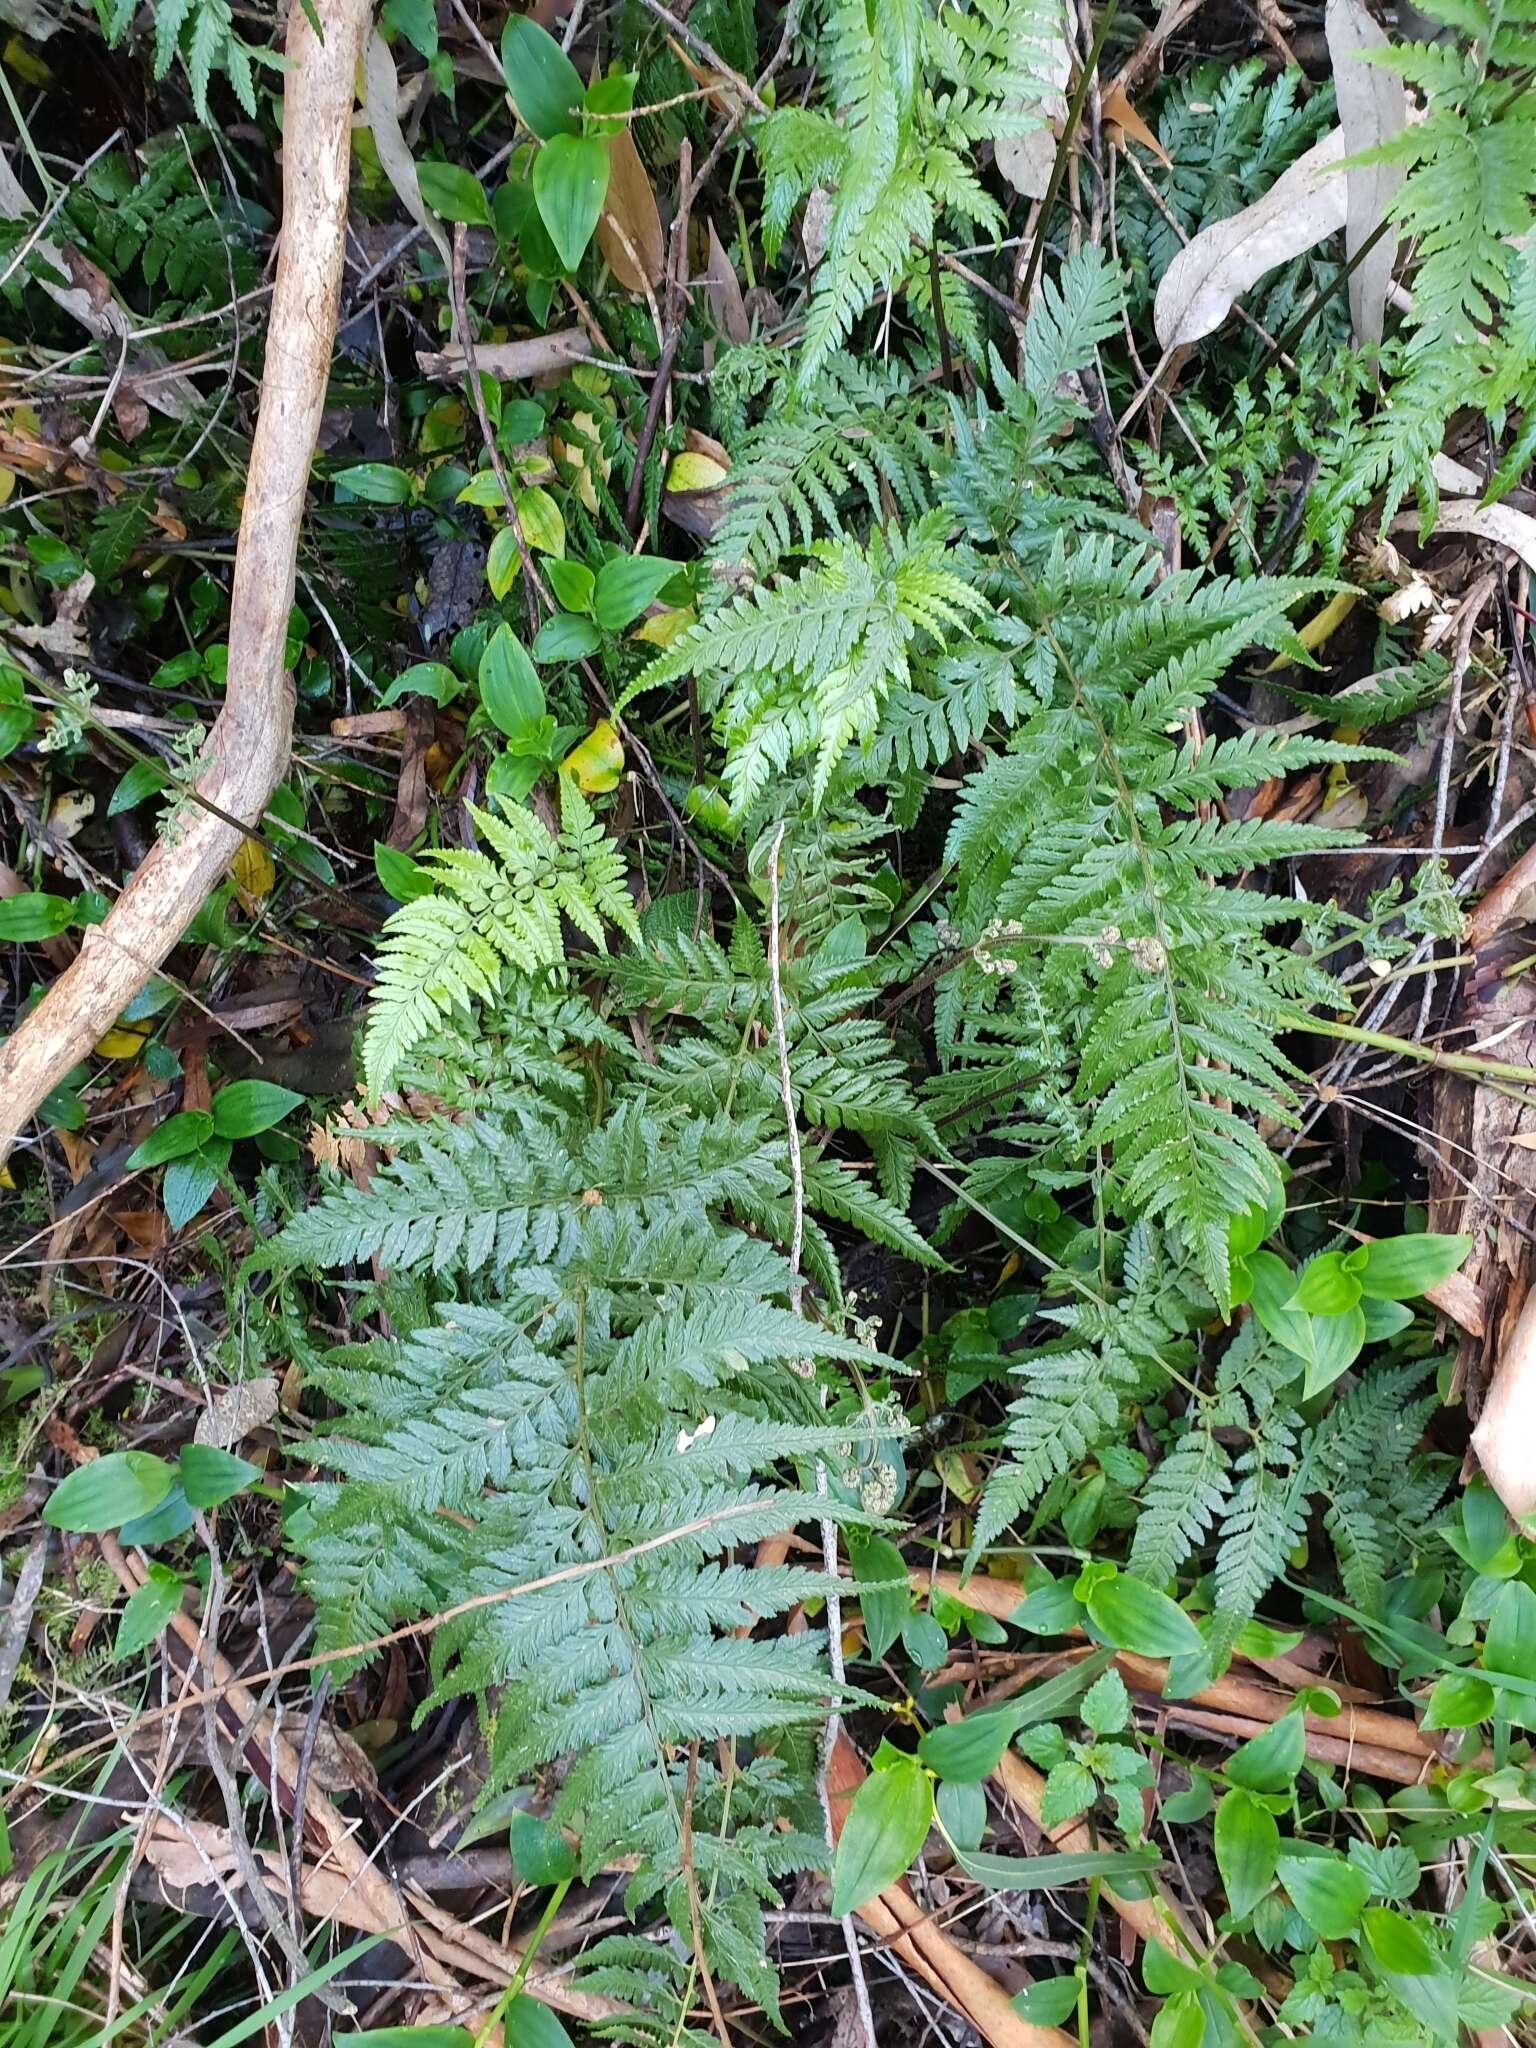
248	749
1353	1726
924	1947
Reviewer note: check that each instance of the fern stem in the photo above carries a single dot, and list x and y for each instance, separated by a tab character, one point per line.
829	1557
1406	1048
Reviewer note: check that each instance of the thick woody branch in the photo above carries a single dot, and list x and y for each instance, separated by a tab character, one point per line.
248	749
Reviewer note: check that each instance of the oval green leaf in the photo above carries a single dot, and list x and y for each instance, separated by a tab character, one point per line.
1247	1843
1137	1617
108	1492
246	1107
545	85
887	1825
570	183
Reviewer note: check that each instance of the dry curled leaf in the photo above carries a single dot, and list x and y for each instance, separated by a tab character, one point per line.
1373	107
381	110
1501	524
1123	124
233	1412
1302	208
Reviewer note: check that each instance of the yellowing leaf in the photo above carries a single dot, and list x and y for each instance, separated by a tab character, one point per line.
7	483
690	472
122	1042
1313	634
597	762
662	628
503	565
252	871
541	521
584	456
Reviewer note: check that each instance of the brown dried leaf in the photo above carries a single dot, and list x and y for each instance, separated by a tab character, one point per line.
1125	124
629	227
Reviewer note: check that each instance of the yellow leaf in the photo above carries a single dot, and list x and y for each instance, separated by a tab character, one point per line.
503	565
541	521
252	870
69	811
7	483
6	1180
662	628
584	456
690	472
597	762
29	69
1317	630
123	1042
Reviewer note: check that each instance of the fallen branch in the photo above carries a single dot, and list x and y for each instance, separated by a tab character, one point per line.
248	749
1361	1730
923	1946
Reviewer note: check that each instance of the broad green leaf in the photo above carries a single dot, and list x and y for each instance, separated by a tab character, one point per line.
510	688
1247	1843
149	1608
570	182
108	1492
545	85
566	639
924	1641
399	875
1397	1944
1336	1342
454	193
528	2024
573	584
171	1518
962	1812
34	915
179	1134
1397	1268
1134	1616
1510	1642
541	520
503	563
246	1107
377	483
965	1751
1179	2023
416	20
1326	1286
1269	1762
209	1476
540	1850
432	679
407	2037
1048	2003
143	779
887	1824
884	1606
1326	1891
1460	1700
190	1181
626	585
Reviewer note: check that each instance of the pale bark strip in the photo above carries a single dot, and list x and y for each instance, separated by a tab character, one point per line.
248	749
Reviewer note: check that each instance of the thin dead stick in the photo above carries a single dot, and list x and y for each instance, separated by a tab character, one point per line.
248	749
